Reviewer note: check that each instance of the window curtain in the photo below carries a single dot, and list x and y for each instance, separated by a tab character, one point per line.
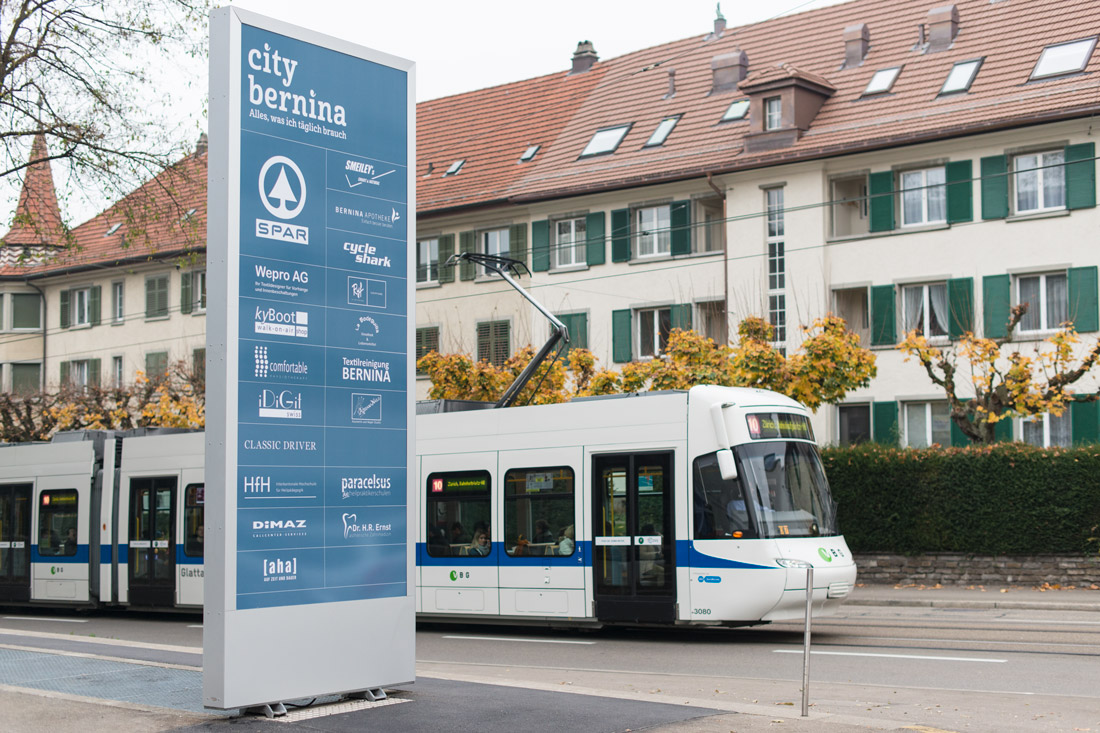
1057	301
937	295
914	308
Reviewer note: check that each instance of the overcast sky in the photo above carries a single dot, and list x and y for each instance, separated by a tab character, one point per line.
457	47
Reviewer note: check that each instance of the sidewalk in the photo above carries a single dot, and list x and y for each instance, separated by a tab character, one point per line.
977	596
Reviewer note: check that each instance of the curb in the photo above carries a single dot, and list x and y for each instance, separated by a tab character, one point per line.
1004	605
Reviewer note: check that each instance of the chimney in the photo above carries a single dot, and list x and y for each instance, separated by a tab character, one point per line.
203	145
728	70
584	57
719	22
671	84
943	26
857	39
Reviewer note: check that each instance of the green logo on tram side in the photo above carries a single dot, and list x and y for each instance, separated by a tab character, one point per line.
454	576
824	554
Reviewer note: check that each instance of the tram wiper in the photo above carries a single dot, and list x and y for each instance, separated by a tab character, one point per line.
506	267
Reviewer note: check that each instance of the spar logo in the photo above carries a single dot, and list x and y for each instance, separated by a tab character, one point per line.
284	197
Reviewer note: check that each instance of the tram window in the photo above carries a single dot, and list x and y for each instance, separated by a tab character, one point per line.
194	496
720	511
57	523
539	511
459	513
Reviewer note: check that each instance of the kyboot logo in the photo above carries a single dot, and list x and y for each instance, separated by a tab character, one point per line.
276	192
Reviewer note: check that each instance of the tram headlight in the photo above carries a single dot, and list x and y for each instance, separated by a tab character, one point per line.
786	562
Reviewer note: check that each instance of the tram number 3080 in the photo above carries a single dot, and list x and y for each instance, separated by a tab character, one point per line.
700	611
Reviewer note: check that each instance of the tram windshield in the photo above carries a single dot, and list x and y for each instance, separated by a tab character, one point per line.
780	491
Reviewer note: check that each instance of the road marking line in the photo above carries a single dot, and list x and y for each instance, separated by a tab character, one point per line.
529	641
39	618
895	656
101	640
101	657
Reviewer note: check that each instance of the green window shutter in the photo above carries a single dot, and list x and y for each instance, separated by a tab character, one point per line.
578	331
958	438
467	242
960	191
1080	176
994	187
93	372
881	189
622	323
1002	431
186	303
198	362
1082	299
960	304
66	306
620	236
517	242
996	302
884	417
594	235
446	251
883	318
156	364
64	373
540	245
681	317
680	220
94	308
1084	422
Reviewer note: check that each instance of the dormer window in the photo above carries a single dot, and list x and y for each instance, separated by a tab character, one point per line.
605	141
736	111
882	81
455	167
1064	58
961	76
773	113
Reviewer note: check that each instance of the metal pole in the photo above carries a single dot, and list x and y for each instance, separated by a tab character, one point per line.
806	643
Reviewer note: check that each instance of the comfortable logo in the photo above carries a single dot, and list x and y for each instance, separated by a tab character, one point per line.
261	362
824	554
284	370
274	322
286	405
276	192
367	292
257	484
366	408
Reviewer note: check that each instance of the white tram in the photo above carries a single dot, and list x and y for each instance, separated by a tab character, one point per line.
694	507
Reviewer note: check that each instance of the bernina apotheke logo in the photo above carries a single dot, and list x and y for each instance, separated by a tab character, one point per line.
277	190
278	322
285	404
281	369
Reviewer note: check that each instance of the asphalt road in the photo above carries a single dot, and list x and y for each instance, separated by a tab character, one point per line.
945	668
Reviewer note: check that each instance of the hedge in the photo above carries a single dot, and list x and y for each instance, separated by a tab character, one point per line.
1004	499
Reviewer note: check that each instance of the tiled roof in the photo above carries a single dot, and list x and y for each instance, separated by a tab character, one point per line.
37	219
154	223
782	73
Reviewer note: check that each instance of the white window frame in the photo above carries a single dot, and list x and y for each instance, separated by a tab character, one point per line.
652	231
926	310
1045	171
775	228
712	312
710	234
427	273
118	301
1044	302
570	250
860	201
649	319
663	130
78	373
1044	421
605	141
929	437
961	76
925	192
118	374
489	242
198	292
738	110
1086	46
773	113
882	81
80	307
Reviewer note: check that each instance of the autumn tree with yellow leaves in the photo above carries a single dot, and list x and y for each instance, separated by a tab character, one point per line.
830	363
1006	383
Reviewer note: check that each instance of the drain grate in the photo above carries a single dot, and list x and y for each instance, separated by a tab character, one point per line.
336	708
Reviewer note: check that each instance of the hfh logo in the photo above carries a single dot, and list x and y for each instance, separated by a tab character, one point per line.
257	484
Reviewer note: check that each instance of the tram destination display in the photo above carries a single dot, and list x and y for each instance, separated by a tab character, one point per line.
309	434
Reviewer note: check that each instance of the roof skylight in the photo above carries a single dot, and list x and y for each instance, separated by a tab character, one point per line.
529	153
455	167
664	128
882	81
114	228
961	76
736	111
1064	58
606	140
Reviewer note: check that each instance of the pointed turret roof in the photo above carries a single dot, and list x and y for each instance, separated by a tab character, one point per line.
37	218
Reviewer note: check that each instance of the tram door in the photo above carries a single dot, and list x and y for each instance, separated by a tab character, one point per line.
152	561
634	551
15	545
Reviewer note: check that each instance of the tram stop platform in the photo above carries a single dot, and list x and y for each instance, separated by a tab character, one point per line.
61	683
